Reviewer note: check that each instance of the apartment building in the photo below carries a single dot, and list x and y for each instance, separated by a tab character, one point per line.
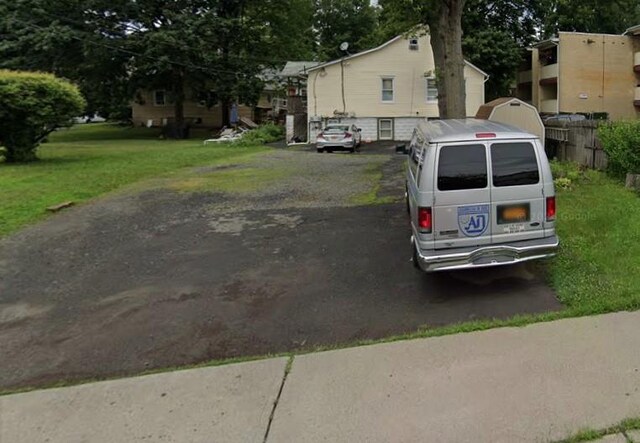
584	73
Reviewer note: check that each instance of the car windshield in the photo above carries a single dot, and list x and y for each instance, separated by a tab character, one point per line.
336	129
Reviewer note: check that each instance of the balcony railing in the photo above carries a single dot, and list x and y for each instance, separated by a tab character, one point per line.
549	71
525	77
549	106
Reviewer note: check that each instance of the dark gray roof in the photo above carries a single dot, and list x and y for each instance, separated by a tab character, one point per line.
294	69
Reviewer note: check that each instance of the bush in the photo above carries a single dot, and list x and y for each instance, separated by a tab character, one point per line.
267	133
33	104
565	174
621	142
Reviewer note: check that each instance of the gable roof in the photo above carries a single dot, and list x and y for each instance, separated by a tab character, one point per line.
382	46
294	69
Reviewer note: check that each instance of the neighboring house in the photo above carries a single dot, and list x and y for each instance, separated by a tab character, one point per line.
155	107
385	91
584	73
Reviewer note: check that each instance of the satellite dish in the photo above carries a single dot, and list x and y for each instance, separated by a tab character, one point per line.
344	46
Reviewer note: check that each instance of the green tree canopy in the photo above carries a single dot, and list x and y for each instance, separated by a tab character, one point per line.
338	21
31	106
597	16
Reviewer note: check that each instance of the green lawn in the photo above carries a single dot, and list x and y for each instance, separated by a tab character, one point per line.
89	160
599	227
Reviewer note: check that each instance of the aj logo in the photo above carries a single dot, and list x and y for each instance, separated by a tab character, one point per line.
477	224
473	221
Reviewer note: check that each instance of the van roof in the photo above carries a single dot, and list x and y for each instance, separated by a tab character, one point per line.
443	131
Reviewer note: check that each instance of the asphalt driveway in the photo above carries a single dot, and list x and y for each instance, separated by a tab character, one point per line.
291	251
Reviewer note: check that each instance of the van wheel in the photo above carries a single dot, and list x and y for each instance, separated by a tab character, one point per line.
320	151
352	150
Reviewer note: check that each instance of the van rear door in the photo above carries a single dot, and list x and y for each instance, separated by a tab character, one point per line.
517	198
462	207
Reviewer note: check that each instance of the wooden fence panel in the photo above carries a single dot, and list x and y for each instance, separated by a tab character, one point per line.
582	145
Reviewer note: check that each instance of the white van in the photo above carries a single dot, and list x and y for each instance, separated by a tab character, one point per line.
479	193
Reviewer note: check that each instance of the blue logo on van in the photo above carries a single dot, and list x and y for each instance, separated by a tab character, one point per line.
473	220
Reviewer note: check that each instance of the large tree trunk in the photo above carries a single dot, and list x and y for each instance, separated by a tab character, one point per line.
446	41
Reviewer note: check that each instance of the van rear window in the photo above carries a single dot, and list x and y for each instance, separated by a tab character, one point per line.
462	167
514	164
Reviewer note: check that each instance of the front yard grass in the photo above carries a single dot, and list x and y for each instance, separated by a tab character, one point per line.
89	160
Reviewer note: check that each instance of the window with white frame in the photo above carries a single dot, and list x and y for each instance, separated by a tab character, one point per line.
387	89
385	129
159	97
432	89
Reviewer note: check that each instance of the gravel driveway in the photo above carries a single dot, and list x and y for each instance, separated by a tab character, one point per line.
288	251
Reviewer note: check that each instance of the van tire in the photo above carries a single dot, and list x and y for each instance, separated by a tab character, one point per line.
320	150
352	150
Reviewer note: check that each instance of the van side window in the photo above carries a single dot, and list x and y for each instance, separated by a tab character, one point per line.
514	164
462	167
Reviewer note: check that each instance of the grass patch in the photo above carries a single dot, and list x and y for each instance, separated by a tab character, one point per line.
90	160
240	180
585	435
372	174
599	229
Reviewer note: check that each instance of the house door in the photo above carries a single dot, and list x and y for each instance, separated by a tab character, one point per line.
385	129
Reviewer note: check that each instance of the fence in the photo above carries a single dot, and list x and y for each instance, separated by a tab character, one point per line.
577	142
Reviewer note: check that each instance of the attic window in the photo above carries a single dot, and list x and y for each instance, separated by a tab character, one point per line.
413	44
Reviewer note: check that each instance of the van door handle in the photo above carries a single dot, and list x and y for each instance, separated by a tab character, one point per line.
536	224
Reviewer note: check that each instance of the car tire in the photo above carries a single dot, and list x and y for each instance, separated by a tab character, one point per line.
330	151
320	150
352	150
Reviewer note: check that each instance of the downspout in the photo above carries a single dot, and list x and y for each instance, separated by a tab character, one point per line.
344	103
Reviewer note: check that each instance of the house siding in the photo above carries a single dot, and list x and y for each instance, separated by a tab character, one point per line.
144	110
594	74
363	87
601	67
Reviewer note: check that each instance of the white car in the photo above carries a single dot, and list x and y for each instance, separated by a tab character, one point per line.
339	137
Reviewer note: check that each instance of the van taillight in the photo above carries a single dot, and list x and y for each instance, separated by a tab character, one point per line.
424	220
551	208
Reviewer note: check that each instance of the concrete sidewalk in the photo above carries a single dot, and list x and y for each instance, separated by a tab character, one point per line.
539	383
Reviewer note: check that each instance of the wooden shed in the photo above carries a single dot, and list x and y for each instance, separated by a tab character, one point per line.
514	112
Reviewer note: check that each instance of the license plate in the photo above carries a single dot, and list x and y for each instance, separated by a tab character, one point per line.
513	214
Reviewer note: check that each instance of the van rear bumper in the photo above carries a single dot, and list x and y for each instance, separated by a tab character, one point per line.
484	256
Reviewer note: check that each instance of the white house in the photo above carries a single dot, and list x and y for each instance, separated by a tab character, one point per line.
385	90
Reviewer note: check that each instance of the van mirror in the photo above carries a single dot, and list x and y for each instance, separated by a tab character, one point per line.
359	129
401	149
